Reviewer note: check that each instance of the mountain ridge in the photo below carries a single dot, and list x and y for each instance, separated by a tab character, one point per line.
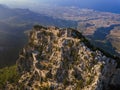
57	58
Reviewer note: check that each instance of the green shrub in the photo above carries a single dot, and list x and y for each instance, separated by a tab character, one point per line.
8	74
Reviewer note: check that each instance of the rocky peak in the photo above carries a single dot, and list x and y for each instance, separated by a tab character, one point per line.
58	59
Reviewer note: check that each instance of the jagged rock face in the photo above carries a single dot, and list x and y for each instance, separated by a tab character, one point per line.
58	59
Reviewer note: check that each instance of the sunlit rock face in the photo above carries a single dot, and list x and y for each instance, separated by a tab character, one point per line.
62	59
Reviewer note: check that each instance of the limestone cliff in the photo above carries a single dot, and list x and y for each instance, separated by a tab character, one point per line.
59	59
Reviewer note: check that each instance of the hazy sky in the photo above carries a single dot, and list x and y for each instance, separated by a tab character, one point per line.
83	2
103	5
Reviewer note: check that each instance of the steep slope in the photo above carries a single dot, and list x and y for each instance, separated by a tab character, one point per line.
58	59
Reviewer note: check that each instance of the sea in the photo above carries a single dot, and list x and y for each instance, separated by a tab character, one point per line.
99	5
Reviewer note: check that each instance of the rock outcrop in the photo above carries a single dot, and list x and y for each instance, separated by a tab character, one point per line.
59	59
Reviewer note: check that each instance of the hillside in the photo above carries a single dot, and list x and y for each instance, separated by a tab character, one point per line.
61	59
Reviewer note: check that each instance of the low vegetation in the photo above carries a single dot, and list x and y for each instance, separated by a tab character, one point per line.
8	74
